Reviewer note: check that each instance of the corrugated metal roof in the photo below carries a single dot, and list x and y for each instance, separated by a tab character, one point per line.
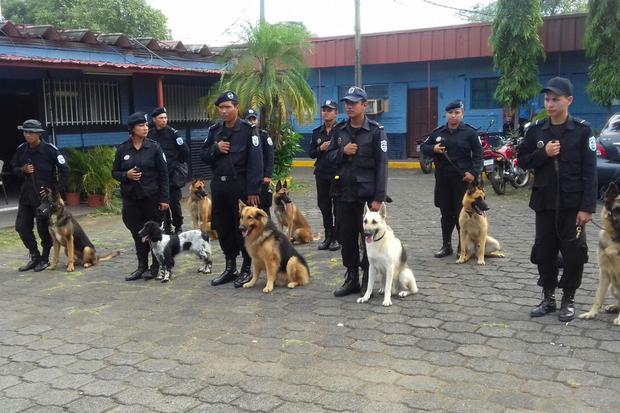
558	34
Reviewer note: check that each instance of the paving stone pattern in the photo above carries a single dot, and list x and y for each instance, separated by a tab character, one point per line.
90	342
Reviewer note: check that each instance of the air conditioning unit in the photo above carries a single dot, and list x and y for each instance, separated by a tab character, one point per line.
375	106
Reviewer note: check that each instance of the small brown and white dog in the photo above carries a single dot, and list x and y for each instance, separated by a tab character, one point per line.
199	205
289	215
271	251
608	256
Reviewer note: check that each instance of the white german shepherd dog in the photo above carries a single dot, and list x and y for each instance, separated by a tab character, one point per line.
386	257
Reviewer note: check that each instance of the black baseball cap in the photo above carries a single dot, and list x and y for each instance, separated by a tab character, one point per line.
228	96
31	125
455	104
329	104
251	113
355	94
561	86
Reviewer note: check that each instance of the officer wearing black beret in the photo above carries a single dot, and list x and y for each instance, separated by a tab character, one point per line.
266	196
457	151
176	150
42	167
140	166
358	148
324	172
234	152
561	150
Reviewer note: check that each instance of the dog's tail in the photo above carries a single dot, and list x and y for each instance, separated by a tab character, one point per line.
109	256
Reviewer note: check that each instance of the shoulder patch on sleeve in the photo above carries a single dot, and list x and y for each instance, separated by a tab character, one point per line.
61	159
179	141
255	140
592	143
269	141
384	145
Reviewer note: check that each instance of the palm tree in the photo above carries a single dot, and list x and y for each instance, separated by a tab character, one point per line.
268	73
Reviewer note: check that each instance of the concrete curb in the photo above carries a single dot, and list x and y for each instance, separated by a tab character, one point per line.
308	163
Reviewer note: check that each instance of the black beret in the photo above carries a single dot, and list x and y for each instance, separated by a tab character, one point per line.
228	96
457	104
137	118
560	86
31	125
158	111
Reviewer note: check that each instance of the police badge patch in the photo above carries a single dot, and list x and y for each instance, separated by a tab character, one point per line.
179	141
255	140
230	95
61	159
351	89
384	146
126	157
592	143
438	139
339	140
269	141
318	141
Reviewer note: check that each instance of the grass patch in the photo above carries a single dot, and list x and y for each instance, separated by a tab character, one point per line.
9	238
113	207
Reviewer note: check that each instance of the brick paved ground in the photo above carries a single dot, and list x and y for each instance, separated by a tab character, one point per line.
89	341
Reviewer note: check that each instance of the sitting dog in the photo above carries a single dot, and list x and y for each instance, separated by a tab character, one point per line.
199	205
165	247
474	237
270	251
608	255
67	232
289	215
386	257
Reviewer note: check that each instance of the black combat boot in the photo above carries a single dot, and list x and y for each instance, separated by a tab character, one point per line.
143	266
351	283
567	307
178	230
324	245
547	305
34	260
245	275
334	245
445	250
229	274
44	261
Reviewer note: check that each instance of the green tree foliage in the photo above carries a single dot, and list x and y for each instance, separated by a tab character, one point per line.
516	51
268	73
602	43
131	17
486	12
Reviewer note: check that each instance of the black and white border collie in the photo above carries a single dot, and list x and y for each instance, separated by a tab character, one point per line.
166	247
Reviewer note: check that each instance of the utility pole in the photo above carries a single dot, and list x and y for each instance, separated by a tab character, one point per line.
358	46
262	11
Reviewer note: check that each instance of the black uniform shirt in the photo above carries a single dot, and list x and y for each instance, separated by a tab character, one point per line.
268	158
576	165
245	159
50	170
152	163
322	167
463	147
175	148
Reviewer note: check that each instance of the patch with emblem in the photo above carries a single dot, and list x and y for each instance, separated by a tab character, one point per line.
438	139
318	141
229	95
339	140
384	146
351	89
269	141
592	143
255	140
126	157
61	159
179	141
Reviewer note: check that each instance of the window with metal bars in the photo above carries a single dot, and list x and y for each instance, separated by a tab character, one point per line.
183	102
81	102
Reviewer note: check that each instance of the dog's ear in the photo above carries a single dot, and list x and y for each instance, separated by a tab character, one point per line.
366	209
610	196
241	205
261	215
471	188
278	185
383	210
480	184
285	185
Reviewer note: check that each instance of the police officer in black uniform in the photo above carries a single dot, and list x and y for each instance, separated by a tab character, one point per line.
177	152
358	148
42	167
457	151
324	172
562	152
234	152
266	195
140	166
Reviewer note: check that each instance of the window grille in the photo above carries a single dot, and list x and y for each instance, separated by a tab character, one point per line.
482	91
183	102
81	102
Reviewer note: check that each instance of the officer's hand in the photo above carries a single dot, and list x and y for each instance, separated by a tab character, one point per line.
375	206
134	175
324	146
266	180
350	149
552	148
44	191
163	206
469	178
223	146
28	168
439	148
254	200
583	217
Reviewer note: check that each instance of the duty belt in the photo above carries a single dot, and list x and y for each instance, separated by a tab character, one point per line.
225	178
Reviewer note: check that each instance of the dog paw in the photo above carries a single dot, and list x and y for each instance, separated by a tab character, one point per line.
461	260
51	268
617	321
86	265
291	285
381	290
267	290
403	294
159	277
612	308
588	316
165	280
362	300
70	268
248	285
481	262
387	302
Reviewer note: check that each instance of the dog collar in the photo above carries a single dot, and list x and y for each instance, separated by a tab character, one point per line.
379	239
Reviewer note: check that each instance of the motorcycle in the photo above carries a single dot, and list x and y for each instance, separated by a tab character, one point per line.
501	165
426	162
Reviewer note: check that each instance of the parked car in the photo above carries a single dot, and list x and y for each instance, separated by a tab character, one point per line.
608	151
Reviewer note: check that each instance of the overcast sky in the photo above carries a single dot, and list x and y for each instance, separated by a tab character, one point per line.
218	22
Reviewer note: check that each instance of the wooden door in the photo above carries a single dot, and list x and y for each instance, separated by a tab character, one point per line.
421	116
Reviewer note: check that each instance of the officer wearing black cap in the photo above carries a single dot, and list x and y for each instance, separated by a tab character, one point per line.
457	151
177	152
324	172
561	150
42	167
358	148
266	196
140	166
234	152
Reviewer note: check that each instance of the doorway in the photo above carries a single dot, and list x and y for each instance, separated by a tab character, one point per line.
421	116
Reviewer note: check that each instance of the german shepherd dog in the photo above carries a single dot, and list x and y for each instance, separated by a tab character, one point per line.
165	247
199	205
386	257
287	214
474	236
271	251
67	232
608	255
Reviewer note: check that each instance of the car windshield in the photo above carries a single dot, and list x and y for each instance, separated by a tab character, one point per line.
613	124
